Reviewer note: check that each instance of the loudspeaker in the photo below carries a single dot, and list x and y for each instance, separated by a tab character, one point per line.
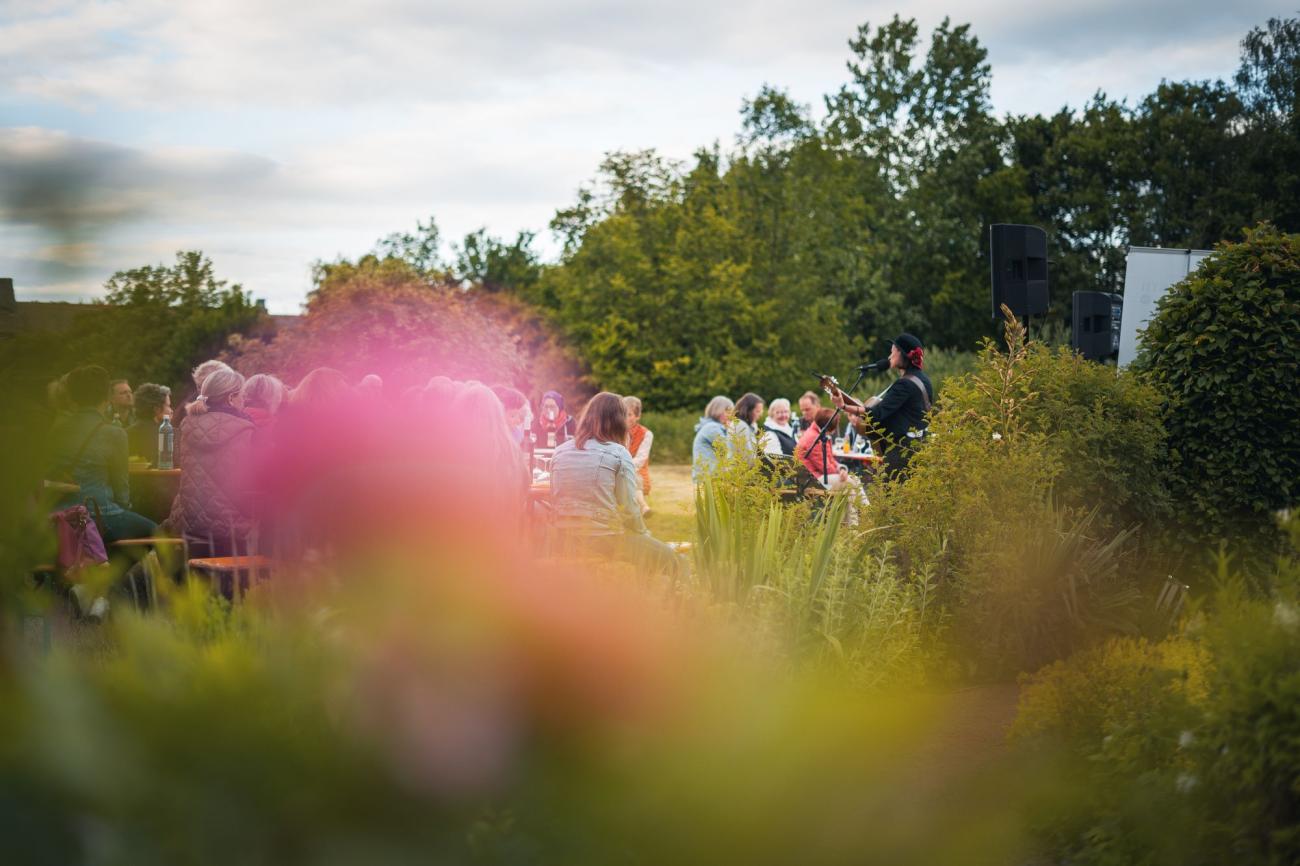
1018	257
1095	326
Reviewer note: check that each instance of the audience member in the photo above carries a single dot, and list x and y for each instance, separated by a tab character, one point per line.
153	403
262	396
322	387
371	387
639	442
515	405
213	508
552	426
710	437
594	487
92	453
194	402
809	403
822	465
744	426
779	438
120	403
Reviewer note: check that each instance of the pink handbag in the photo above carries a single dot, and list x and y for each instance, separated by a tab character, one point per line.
80	543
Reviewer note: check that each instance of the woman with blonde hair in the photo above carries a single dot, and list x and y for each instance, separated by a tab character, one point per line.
710	437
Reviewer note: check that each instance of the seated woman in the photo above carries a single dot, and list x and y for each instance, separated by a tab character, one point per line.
710	437
552	426
92	453
779	439
744	426
639	442
594	487
822	465
213	508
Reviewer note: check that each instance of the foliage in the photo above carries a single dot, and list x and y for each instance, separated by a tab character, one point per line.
794	574
1188	749
382	316
155	323
1224	346
810	241
1004	502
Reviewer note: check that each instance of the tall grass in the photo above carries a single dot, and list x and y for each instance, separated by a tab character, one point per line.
826	596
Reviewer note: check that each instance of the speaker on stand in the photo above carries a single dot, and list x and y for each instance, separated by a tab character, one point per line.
1018	265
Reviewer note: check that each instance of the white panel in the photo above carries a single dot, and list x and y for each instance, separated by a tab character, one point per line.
1148	274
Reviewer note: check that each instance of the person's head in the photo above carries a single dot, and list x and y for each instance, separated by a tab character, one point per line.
322	388
604	419
633	405
222	388
87	387
749	407
719	408
263	391
906	353
120	396
809	403
371	386
153	401
552	405
823	417
779	411
514	403
206	369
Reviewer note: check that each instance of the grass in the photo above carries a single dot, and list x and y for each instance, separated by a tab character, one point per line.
672	502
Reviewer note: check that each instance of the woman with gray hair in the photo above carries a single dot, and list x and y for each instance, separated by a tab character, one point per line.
212	509
262	396
710	437
779	438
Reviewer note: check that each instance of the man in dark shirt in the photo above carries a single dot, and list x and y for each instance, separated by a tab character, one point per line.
120	403
152	404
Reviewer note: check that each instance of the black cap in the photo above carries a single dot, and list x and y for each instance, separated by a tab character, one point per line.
906	343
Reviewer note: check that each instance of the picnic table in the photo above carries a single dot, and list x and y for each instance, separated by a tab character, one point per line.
152	491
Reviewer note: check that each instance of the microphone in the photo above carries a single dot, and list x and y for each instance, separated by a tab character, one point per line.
875	366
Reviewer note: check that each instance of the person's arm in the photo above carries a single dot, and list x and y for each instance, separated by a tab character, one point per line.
118	471
625	488
642	455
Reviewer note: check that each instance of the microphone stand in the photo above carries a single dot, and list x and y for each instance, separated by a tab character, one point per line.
823	436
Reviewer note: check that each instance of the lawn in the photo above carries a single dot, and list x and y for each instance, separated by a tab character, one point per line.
672	503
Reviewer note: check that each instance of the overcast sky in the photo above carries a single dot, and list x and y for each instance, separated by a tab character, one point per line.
270	133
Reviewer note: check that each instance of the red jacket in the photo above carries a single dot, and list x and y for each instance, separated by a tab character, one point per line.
809	451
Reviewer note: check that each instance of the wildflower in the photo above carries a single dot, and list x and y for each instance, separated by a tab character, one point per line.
1185	739
997	437
1286	615
1185	783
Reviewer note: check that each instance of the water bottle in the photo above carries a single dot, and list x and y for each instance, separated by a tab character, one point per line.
165	438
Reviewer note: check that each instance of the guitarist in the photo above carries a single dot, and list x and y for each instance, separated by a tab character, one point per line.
901	412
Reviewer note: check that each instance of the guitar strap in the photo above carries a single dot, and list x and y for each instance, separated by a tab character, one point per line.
920	386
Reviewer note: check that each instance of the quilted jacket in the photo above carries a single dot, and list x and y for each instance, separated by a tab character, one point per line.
215	456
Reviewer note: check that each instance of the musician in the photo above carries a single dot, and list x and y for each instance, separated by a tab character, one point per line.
901	411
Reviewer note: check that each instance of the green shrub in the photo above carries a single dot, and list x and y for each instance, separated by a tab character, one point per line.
674	433
1224	345
1018	501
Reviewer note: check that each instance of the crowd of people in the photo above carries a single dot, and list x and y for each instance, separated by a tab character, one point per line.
889	425
317	458
243	444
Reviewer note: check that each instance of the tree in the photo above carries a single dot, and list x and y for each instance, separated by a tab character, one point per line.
492	264
1224	345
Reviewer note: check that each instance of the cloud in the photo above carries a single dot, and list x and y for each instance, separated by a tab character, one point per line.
71	186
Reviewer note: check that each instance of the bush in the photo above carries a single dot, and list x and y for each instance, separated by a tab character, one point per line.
1019	498
1224	345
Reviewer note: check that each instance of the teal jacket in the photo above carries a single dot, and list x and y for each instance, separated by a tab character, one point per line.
92	453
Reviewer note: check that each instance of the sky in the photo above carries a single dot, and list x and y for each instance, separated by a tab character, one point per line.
272	133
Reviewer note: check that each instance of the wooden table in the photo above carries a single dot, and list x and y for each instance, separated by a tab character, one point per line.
152	491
